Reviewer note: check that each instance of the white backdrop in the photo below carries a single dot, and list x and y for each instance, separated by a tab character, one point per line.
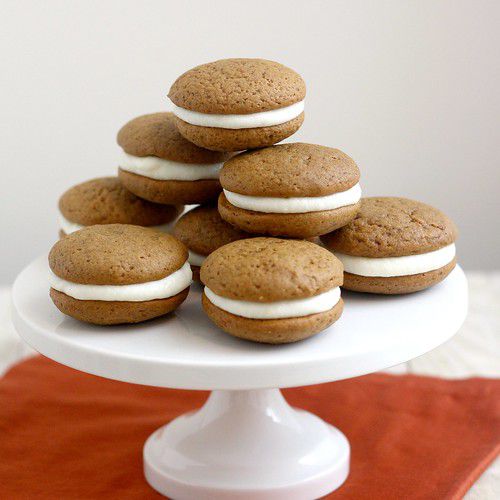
410	89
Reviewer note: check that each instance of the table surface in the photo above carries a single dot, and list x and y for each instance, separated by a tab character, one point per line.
185	350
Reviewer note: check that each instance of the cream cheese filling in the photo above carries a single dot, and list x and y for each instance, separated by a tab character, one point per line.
168	170
386	267
276	310
250	120
295	204
70	227
138	292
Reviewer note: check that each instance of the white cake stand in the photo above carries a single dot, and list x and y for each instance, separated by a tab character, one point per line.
246	442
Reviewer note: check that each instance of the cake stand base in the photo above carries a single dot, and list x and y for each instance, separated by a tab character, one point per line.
246	445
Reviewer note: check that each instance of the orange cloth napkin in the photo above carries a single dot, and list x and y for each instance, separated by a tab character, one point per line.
68	435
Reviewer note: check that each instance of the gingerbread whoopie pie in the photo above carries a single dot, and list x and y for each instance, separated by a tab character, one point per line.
159	165
106	201
294	190
202	230
237	104
394	245
272	290
118	273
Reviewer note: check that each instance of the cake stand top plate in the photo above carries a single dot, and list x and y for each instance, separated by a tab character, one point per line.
185	350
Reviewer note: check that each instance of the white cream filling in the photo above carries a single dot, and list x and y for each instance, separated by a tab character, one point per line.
196	259
168	170
276	310
139	292
295	205
251	120
386	267
70	227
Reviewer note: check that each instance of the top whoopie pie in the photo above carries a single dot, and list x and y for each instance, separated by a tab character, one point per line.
159	165
394	245
202	230
237	104
272	290
118	273
296	190
106	201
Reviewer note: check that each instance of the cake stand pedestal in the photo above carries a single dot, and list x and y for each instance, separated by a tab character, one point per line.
246	442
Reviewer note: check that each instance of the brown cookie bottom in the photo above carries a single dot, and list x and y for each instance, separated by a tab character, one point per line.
171	192
302	225
100	312
272	331
224	139
196	272
397	284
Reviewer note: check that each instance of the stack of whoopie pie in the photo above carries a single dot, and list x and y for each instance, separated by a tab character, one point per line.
278	229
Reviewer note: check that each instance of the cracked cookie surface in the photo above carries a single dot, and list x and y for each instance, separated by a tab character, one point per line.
237	86
203	230
116	254
393	227
271	269
290	170
156	135
106	201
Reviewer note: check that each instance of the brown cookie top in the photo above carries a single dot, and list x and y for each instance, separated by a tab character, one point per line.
106	201
157	135
289	170
392	227
271	269
116	254
237	86
202	230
